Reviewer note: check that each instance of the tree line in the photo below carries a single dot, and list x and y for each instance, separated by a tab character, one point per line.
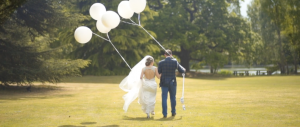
29	30
37	41
277	23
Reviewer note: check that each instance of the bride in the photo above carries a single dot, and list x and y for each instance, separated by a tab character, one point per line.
141	83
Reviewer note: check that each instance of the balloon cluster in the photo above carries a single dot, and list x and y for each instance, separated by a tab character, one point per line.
107	20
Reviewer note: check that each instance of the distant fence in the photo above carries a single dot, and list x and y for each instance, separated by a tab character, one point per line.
246	73
243	71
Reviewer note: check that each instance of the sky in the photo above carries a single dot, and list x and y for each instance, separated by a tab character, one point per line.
244	7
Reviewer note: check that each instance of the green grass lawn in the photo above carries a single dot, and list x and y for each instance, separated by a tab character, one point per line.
269	101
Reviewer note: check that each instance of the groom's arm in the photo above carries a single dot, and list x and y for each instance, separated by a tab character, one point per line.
159	68
180	68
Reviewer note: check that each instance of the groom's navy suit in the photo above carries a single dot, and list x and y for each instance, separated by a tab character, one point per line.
167	68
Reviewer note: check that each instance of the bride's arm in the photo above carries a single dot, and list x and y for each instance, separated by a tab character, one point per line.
156	73
142	74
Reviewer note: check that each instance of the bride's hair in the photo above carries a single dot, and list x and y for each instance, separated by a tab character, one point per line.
149	60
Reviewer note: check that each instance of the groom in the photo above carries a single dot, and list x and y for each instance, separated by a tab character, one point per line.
168	83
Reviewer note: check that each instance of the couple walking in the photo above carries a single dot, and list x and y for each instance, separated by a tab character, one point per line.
141	83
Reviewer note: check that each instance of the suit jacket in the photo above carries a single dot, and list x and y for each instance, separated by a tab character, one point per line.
167	68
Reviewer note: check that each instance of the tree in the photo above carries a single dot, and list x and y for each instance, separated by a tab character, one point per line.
7	7
25	39
131	41
277	22
292	31
200	30
175	29
275	9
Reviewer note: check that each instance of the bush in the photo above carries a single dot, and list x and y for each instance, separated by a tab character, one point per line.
270	70
225	73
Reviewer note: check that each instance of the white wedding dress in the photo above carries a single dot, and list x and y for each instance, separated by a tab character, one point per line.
147	94
144	89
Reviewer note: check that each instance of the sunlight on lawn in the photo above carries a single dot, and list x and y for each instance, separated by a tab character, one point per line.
97	101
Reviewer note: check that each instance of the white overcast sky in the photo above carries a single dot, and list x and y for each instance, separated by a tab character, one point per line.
244	7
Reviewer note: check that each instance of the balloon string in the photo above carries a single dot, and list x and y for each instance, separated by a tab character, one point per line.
118	51
114	47
129	23
183	75
182	97
133	23
154	39
100	37
139	18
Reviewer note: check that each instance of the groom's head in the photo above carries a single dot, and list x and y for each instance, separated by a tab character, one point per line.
168	52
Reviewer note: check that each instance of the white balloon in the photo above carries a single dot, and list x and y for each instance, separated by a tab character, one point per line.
97	10
137	5
83	34
124	10
101	28
110	19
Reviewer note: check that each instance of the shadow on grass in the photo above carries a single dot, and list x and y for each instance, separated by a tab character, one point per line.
137	118
42	88
110	126
70	126
94	79
88	123
169	119
14	92
22	96
151	118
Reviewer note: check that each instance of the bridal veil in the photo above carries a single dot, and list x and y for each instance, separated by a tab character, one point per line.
132	83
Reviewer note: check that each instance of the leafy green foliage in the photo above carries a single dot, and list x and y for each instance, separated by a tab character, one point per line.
199	30
277	24
55	69
225	72
197	65
26	38
7	7
131	41
18	64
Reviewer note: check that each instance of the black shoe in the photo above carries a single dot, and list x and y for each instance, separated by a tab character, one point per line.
174	114
165	117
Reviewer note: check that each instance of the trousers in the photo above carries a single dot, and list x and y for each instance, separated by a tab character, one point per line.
171	89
